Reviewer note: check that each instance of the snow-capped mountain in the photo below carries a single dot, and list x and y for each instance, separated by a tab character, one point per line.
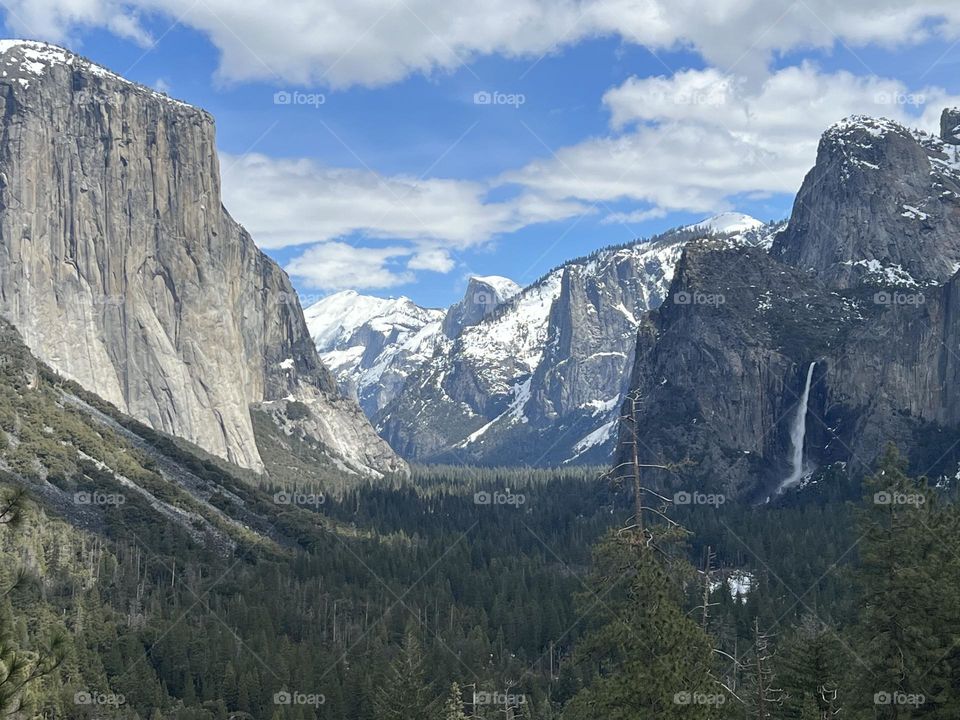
372	345
541	379
198	336
728	222
851	315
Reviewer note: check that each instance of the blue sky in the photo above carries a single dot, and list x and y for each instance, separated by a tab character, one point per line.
385	174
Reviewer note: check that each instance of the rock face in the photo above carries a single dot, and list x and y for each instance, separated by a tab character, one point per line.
718	378
123	271
880	200
483	296
371	344
950	126
540	380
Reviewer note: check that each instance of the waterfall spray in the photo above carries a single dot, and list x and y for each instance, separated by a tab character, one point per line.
798	432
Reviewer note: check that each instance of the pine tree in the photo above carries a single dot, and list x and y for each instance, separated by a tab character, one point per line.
812	665
453	707
404	693
908	579
648	657
19	669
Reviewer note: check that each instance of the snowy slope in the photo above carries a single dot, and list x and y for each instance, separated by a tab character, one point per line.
541	379
372	344
728	222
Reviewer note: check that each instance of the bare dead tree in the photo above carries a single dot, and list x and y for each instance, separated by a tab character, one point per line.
768	696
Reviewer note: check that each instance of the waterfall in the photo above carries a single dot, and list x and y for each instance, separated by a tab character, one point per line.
797	433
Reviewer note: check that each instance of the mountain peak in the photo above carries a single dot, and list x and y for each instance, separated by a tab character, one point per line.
855	125
727	222
25	61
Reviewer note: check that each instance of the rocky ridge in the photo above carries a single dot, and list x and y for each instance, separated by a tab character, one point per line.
123	271
862	282
540	380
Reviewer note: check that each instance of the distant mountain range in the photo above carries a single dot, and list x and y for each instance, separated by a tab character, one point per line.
509	375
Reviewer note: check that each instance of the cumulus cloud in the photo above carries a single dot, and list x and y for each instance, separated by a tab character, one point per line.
340	266
337	44
290	202
694	141
287	202
697	139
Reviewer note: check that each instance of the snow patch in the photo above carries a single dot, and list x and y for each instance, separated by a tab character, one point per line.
727	222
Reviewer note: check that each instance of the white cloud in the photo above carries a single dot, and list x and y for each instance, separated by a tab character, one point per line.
290	202
336	43
435	259
695	140
339	266
637	216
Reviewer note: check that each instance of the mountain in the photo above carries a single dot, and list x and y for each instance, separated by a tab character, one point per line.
540	380
123	271
372	345
861	285
728	222
482	297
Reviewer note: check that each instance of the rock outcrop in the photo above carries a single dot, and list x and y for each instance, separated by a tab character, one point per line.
881	200
540	380
372	345
124	272
862	282
482	298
